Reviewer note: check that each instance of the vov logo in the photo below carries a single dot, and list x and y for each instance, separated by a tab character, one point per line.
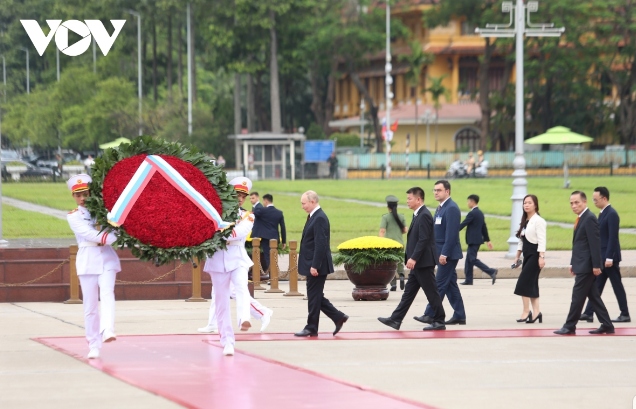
84	30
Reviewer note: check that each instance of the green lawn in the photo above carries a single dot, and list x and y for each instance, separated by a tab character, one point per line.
349	220
18	224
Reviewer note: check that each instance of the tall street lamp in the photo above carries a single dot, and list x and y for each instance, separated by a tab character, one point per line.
139	90
517	21
28	88
4	92
388	80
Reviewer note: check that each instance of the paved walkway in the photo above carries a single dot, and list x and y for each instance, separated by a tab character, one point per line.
452	372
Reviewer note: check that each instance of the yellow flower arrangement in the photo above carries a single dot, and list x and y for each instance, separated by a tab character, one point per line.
362	252
369	242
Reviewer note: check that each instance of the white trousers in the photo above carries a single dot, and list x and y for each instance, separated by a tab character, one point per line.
256	309
221	292
97	287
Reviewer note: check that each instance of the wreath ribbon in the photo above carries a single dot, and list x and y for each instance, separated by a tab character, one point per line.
134	188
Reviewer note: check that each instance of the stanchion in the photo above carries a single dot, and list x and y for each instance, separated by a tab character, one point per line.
256	258
73	279
293	270
196	283
273	267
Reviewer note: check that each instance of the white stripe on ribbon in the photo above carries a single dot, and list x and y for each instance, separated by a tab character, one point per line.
153	163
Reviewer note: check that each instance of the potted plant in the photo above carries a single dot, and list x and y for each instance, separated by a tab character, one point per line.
370	263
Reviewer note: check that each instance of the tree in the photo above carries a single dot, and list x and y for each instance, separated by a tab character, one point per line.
417	60
437	90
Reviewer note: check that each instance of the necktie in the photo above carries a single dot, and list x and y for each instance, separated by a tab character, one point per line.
576	222
438	209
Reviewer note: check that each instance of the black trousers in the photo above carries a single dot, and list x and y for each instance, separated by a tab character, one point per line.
265	259
317	302
423	278
472	261
583	288
614	275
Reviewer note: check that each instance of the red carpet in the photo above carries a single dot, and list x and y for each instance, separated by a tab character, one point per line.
192	371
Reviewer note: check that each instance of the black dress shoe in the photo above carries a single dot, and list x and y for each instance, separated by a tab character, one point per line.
494	276
588	318
389	322
340	323
622	318
393	288
436	326
565	331
306	333
456	321
603	330
401	281
466	283
425	319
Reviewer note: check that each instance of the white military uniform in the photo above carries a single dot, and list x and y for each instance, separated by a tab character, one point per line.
227	266
256	309
97	267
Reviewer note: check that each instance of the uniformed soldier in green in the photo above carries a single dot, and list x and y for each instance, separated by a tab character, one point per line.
393	226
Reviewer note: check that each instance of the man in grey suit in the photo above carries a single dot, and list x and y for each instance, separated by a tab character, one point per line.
609	223
420	259
449	251
585	265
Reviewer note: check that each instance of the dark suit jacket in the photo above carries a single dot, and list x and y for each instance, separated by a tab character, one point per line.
586	245
314	246
447	231
420	240
477	232
609	223
257	205
266	224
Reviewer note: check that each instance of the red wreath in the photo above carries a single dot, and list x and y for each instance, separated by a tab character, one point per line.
162	216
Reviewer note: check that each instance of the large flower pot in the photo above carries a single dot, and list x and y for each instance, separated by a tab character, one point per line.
371	284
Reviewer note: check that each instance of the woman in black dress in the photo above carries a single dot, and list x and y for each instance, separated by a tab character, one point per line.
532	243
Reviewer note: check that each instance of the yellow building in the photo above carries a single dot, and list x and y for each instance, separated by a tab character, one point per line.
456	49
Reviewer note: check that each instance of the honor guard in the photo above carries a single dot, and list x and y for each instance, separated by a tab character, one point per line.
97	268
228	268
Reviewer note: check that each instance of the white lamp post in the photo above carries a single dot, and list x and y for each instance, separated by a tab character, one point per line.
388	80
4	91
517	27
139	89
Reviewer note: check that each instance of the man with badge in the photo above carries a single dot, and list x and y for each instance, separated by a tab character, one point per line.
97	267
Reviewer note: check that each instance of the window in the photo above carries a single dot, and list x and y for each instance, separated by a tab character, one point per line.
467	29
467	80
467	139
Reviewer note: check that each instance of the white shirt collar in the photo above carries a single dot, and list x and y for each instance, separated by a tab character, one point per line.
608	205
417	211
442	204
314	211
270	205
582	213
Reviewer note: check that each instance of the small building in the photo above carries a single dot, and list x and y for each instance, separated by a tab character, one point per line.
272	155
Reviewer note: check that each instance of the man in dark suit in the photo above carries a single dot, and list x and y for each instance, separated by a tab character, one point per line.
254	200
609	223
449	251
420	259
315	263
266	223
585	265
476	235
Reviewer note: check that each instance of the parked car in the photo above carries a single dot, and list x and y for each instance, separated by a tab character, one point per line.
39	172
